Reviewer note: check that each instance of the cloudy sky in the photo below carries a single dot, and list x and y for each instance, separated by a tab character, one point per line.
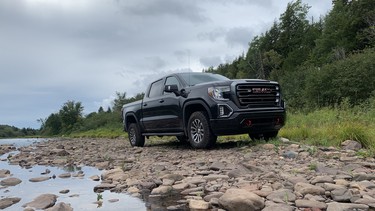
52	51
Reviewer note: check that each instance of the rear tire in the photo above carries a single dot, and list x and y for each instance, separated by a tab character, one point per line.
200	135
135	137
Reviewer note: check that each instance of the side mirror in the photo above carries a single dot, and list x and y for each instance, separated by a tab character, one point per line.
173	88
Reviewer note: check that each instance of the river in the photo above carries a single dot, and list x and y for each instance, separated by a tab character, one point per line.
81	195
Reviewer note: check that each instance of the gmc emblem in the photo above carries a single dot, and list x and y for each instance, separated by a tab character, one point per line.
261	90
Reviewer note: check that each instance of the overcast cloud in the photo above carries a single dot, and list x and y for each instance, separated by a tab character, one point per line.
53	51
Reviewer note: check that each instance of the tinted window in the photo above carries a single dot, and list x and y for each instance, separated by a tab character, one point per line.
196	78
155	89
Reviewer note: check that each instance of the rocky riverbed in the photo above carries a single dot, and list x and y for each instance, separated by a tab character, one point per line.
232	176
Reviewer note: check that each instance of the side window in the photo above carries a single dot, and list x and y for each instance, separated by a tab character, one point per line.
171	81
155	89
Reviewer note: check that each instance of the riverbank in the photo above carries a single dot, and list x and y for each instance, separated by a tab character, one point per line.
235	175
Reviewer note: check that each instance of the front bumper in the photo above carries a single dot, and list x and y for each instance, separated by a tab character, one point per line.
250	122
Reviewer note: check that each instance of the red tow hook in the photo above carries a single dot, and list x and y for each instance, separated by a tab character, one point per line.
248	123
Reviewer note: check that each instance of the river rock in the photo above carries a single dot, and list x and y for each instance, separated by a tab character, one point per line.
42	202
278	207
162	190
102	165
217	166
305	188
65	175
301	203
322	179
60	207
95	178
7	202
241	200
39	179
341	195
351	145
363	176
12	181
116	174
64	191
335	206
103	186
4	173
282	196
198	205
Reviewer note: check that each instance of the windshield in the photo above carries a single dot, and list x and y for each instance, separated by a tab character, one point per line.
192	79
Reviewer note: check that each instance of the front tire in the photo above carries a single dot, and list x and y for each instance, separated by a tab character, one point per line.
200	135
182	139
135	137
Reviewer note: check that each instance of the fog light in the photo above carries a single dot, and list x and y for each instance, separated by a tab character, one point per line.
221	112
225	110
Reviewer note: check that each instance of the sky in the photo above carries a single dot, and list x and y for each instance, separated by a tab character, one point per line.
54	51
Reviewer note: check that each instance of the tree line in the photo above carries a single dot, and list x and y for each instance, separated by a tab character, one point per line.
70	118
7	131
319	62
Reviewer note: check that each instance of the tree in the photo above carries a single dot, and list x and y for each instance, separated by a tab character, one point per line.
52	125
70	114
119	101
347	28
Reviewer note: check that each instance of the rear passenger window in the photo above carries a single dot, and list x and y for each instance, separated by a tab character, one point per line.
156	89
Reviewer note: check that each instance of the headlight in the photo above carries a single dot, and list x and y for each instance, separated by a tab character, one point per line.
219	92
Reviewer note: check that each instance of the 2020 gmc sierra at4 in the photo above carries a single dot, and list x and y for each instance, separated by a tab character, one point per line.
198	107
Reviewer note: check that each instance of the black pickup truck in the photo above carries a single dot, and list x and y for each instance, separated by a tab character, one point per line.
198	107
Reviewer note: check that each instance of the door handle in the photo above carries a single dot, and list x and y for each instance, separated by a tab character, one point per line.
144	104
161	101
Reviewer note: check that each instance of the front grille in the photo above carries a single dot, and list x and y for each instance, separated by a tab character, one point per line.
258	95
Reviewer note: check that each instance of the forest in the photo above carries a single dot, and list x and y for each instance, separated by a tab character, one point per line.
319	62
325	65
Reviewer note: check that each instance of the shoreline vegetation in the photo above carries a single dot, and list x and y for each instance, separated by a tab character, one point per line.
321	127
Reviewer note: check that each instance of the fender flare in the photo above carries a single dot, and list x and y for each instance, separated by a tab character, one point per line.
126	122
199	102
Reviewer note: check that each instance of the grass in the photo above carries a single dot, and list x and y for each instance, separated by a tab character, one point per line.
100	133
332	126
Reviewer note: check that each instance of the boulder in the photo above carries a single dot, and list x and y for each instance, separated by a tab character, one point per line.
241	200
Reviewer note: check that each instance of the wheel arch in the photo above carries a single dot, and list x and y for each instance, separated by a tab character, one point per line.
130	118
191	107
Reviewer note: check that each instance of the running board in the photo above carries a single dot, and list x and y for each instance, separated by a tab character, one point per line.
164	134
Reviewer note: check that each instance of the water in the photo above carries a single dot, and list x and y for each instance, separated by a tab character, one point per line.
81	195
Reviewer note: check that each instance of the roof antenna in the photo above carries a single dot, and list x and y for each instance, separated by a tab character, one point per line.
188	51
